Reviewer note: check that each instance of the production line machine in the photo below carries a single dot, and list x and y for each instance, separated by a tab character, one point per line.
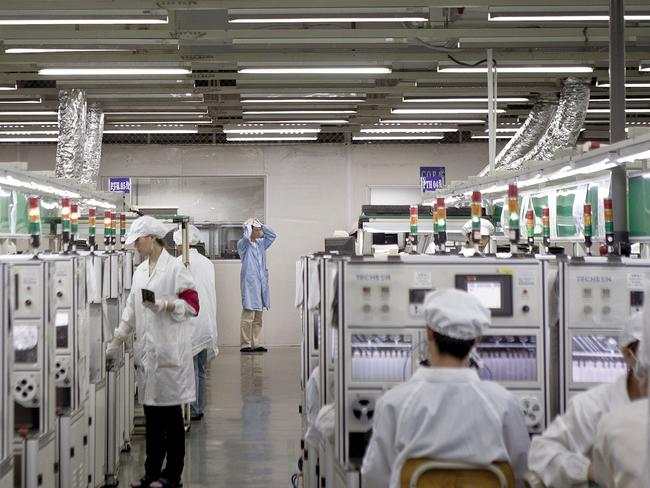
6	390
598	296
381	336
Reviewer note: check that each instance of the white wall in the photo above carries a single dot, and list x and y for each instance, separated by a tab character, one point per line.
312	190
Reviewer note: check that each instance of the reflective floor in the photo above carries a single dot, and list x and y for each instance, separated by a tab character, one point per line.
250	435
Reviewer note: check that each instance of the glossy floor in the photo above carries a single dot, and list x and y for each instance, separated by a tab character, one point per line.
250	435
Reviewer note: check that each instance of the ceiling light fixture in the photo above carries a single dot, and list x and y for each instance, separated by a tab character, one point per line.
151	131
112	71
368	70
627	110
432	121
464	100
268	139
303	100
28	112
30	122
628	84
515	69
397	130
29	139
29	132
559	14
146	112
327	20
36	50
83	17
299	112
8	86
396	138
505	129
450	111
487	137
21	100
322	122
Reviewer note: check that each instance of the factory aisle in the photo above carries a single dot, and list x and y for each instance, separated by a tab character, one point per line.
250	434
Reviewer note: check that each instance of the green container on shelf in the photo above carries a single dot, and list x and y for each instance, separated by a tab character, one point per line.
6	202
638	204
565	224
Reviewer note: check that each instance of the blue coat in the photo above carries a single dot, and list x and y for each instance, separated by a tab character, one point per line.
254	277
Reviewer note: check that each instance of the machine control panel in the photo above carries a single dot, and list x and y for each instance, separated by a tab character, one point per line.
28	290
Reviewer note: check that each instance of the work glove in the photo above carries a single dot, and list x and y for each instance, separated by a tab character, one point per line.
113	355
158	307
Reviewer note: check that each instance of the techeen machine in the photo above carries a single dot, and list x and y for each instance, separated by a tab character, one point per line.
382	337
6	395
598	296
71	366
33	383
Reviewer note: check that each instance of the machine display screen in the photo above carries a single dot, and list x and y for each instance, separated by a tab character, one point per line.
381	357
488	292
61	322
26	343
494	291
596	359
508	358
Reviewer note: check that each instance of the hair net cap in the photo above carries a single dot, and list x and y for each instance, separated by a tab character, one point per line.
487	229
632	330
456	314
146	226
194	236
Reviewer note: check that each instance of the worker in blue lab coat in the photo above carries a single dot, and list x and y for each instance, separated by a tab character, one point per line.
254	282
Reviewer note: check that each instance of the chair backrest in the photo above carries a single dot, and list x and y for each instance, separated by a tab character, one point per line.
427	473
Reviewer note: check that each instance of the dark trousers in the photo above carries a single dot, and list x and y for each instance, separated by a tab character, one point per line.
165	438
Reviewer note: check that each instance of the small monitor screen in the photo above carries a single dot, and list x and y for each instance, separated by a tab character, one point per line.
488	292
596	359
508	358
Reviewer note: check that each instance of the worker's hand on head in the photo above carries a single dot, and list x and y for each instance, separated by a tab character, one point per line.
250	221
159	306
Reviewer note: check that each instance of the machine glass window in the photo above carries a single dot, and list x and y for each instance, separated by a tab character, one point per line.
26	343
508	358
381	357
596	359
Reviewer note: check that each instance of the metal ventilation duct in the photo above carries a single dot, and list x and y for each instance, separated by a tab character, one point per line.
527	136
87	172
72	127
569	118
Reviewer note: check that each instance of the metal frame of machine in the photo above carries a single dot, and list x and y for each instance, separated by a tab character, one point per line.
33	376
598	295
6	395
382	298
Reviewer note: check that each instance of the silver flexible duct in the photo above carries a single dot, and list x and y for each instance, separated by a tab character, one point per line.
87	173
565	127
72	127
528	134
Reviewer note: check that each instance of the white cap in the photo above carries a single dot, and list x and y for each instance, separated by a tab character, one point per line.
341	233
253	222
194	235
632	331
146	226
456	314
487	229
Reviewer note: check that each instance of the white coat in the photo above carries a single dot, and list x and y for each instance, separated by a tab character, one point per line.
162	346
621	446
444	414
312	399
204	326
562	455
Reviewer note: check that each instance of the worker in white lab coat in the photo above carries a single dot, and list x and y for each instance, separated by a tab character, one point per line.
562	455
204	326
445	412
162	349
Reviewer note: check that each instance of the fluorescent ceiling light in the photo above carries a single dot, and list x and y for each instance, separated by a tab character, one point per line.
505	129
370	70
423	130
563	18
635	157
516	69
322	122
83	17
140	112
396	138
627	110
29	132
8	86
28	112
303	100
606	100
159	122
450	111
299	112
487	137
630	84
36	50
30	122
112	71
279	138
326	20
463	100
432	121
151	131
21	100
261	130
29	139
